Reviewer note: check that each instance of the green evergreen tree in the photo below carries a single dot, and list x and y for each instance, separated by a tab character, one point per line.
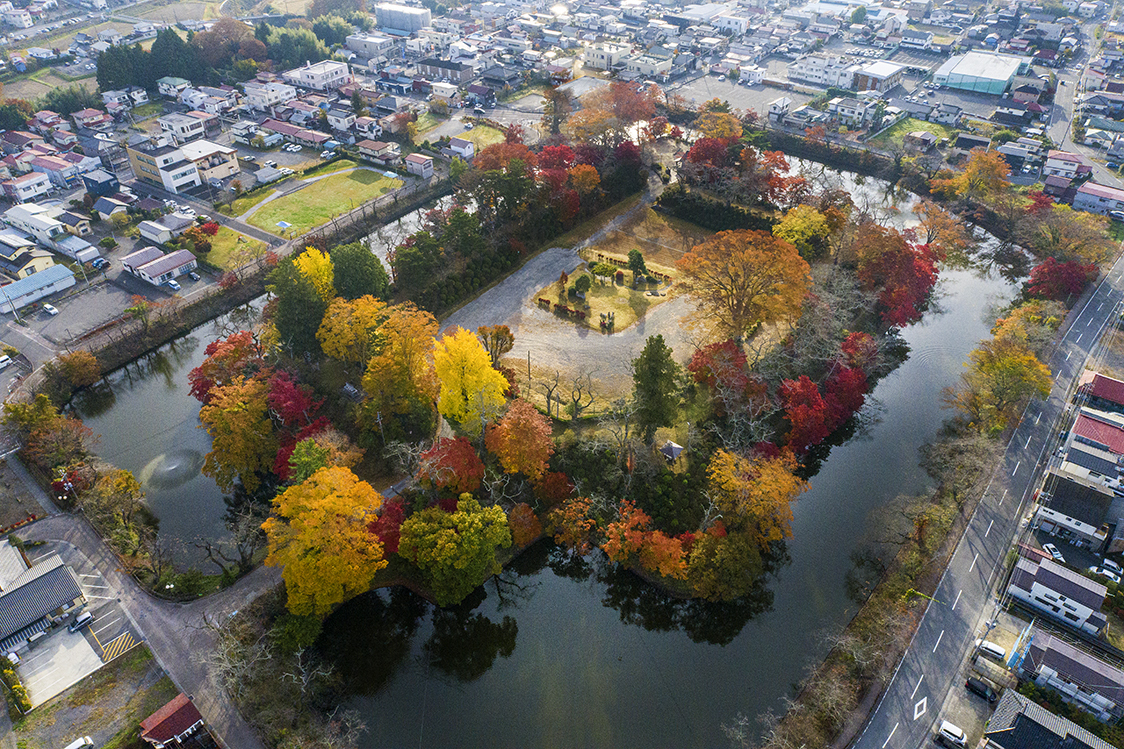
655	381
357	272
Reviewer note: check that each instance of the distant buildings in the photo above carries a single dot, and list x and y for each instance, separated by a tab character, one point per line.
982	72
402	18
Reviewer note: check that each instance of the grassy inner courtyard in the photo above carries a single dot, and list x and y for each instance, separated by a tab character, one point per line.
895	135
321	201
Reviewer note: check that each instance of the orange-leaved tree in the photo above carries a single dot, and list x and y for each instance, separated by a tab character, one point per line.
347	332
755	494
243	444
521	440
320	538
743	279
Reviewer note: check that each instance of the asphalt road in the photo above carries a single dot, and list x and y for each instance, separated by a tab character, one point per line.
908	712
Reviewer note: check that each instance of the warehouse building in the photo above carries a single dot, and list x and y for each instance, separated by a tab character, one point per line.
982	72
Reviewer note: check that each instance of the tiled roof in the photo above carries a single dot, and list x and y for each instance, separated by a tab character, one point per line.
1075	666
1018	723
36	593
1070	584
1099	386
171	721
1101	432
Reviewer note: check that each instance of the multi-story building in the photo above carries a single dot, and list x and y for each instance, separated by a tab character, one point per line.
27	187
825	70
181	128
1095	198
321	76
171	87
37	221
458	72
604	55
163	165
1065	164
370	44
647	66
263	96
213	161
1081	678
402	17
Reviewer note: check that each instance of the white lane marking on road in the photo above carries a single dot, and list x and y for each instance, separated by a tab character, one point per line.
914	692
1036	418
1067	355
1079	337
989	528
1002	498
1027	442
103	598
887	741
1099	306
96	577
98	587
920	707
957	599
938	641
1016	467
974	562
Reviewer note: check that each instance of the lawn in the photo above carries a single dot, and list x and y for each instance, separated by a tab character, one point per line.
483	135
896	135
150	109
226	243
628	304
321	201
243	204
335	166
427	122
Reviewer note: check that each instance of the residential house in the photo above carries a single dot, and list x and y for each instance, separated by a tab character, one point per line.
1075	501
20	257
322	76
1101	392
126	98
850	112
371	44
36	220
920	140
340	119
1095	198
1018	723
368	127
155	232
165	268
1060	593
463	148
1082	679
110	36
16	296
171	87
383	153
1026	93
137	258
31	596
17	141
946	114
18	18
61	172
172	725
913	39
435	69
1065	164
107	206
27	187
76	223
92	119
779	108
163	165
100	183
420	165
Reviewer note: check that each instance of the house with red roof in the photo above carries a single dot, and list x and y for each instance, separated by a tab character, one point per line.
173	724
1101	392
1099	430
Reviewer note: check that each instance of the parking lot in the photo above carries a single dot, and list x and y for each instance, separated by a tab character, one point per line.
757	98
64	657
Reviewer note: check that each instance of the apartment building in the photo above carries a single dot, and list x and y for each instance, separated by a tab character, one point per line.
164	166
321	76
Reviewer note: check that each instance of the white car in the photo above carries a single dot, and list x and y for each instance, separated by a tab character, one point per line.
1053	551
1108	564
951	735
50	309
1104	572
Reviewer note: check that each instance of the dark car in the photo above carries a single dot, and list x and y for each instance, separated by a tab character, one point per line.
978	686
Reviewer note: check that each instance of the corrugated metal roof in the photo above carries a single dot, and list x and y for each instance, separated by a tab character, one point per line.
44	588
1018	723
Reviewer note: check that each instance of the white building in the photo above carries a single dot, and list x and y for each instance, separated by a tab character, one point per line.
167	267
370	44
402	17
36	286
824	70
1063	164
263	96
18	18
1060	593
1094	198
27	187
181	128
171	87
322	76
164	166
604	55
37	221
1080	677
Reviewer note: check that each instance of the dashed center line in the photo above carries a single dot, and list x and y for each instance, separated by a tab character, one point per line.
974	562
957	599
938	641
914	693
1079	335
1016	467
1002	498
989	528
1028	441
887	741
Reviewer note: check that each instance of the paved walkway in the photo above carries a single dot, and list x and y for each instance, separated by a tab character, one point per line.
175	632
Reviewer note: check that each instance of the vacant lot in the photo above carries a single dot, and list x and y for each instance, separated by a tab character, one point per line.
41	81
16	502
180	11
482	136
322	200
896	134
107	706
226	244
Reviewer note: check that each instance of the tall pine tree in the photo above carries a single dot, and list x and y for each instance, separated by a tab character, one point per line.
655	387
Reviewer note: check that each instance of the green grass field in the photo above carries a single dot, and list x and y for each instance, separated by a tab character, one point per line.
241	205
335	166
321	201
482	135
896	134
225	244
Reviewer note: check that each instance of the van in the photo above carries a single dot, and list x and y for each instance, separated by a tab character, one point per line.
991	650
479	111
83	743
5	360
83	620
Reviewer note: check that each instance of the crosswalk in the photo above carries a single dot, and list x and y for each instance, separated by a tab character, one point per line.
117	646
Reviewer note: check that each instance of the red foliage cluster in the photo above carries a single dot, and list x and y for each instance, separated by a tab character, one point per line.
388	526
210	228
1060	280
906	274
813	416
859	350
559	158
710	152
1040	203
452	465
723	368
553	489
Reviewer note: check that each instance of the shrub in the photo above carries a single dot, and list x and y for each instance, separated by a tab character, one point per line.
108	243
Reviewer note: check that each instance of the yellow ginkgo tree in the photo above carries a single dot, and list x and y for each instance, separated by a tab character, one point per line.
471	390
321	540
316	266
